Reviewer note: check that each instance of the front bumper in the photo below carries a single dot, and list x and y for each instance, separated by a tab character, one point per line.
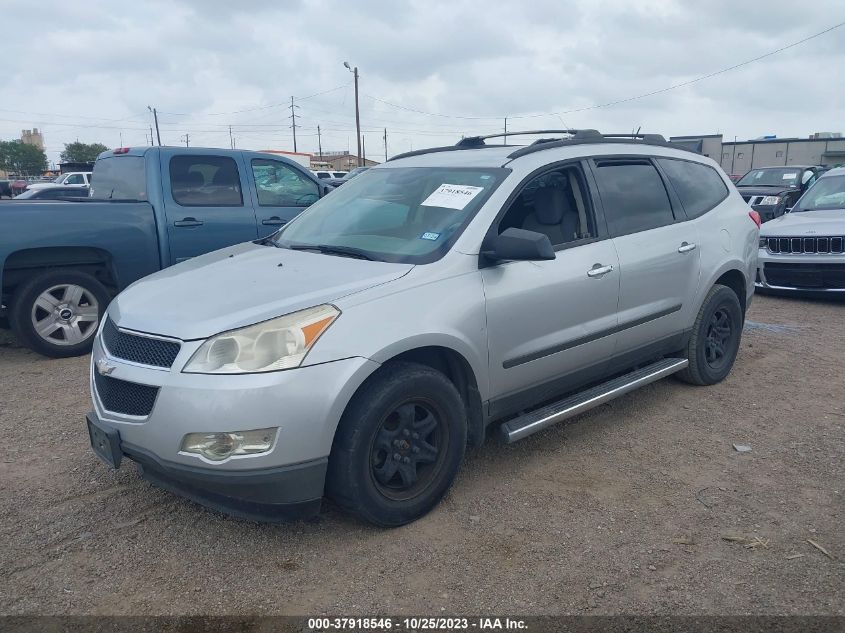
801	273
304	404
284	493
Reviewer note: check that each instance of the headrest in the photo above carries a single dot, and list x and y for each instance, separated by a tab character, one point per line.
190	179
550	203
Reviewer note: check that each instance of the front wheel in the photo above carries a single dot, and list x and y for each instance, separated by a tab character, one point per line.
715	338
57	313
398	446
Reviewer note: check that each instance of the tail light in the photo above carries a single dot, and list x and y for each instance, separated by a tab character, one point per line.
755	217
121	150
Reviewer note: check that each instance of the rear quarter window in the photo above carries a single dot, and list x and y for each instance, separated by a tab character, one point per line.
699	187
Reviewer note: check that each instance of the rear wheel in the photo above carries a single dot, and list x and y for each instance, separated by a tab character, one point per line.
398	446
57	313
715	338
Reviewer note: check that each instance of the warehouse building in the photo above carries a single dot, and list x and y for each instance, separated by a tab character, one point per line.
738	157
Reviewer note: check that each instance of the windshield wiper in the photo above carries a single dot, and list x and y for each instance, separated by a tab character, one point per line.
328	249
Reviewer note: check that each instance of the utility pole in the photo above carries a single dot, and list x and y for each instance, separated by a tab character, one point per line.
231	140
187	139
505	141
357	111
293	124
363	151
155	118
319	143
385	144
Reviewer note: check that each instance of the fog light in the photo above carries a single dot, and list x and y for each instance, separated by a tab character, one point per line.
219	446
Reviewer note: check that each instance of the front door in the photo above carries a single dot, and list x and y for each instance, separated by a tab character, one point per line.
281	193
551	323
205	207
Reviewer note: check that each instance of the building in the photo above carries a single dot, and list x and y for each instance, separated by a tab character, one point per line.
738	157
338	161
33	137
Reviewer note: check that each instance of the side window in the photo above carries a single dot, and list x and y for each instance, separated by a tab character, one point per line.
633	196
75	179
553	203
699	187
281	186
205	181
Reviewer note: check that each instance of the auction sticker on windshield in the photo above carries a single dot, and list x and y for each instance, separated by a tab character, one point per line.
452	196
790	176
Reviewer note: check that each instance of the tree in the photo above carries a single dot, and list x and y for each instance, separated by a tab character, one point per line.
22	158
82	152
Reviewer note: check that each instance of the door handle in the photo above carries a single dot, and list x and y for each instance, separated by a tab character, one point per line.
599	271
686	247
188	222
274	221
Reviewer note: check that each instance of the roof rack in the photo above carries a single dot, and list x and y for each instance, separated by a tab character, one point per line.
574	137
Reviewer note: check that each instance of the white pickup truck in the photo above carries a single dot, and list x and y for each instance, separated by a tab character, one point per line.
70	179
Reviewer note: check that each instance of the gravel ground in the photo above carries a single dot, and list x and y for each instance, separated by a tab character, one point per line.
625	511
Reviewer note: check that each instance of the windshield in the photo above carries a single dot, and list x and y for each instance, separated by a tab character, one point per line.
408	214
781	177
119	178
827	193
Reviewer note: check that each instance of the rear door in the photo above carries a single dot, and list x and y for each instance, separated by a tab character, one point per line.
659	258
281	192
205	203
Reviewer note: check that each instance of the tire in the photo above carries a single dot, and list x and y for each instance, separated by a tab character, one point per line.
715	338
406	411
57	313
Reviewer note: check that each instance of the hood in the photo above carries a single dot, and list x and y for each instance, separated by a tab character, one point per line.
767	190
242	285
809	223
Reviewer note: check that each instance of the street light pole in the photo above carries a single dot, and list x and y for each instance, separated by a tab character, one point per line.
354	71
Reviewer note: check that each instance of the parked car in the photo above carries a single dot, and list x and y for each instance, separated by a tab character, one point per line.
772	190
324	175
361	349
53	193
337	182
18	186
150	207
6	188
803	251
70	179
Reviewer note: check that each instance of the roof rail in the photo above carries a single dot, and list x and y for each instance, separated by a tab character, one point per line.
574	137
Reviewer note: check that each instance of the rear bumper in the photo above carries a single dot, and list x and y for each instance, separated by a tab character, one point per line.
282	493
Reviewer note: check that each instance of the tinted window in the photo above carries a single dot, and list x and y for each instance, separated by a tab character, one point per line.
633	196
205	181
279	185
699	187
119	178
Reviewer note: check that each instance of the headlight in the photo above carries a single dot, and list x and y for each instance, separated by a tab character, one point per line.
219	446
770	200
279	343
764	242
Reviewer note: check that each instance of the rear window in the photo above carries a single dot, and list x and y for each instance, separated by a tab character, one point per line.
633	197
119	178
699	187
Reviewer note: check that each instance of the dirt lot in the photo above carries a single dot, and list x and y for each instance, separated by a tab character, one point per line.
623	512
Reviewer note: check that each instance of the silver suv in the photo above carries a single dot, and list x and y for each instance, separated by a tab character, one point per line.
359	351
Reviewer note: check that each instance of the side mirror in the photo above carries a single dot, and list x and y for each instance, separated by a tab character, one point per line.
519	245
326	189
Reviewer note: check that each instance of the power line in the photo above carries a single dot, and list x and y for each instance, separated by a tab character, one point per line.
627	99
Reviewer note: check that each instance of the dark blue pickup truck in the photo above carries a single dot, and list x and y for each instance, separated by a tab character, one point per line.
149	208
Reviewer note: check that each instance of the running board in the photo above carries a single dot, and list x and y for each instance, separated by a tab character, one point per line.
539	419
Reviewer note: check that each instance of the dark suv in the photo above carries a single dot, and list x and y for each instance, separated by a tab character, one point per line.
772	190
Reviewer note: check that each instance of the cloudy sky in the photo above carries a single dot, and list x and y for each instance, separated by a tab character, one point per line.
430	70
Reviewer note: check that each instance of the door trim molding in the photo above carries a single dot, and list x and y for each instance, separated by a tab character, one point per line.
508	363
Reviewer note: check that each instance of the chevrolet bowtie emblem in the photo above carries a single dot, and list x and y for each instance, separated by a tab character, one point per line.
104	367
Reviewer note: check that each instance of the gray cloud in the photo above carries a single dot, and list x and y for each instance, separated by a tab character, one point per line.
90	74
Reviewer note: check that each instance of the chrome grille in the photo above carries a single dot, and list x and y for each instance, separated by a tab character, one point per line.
826	245
137	348
126	398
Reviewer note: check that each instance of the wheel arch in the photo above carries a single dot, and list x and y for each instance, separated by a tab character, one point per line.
445	356
25	263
